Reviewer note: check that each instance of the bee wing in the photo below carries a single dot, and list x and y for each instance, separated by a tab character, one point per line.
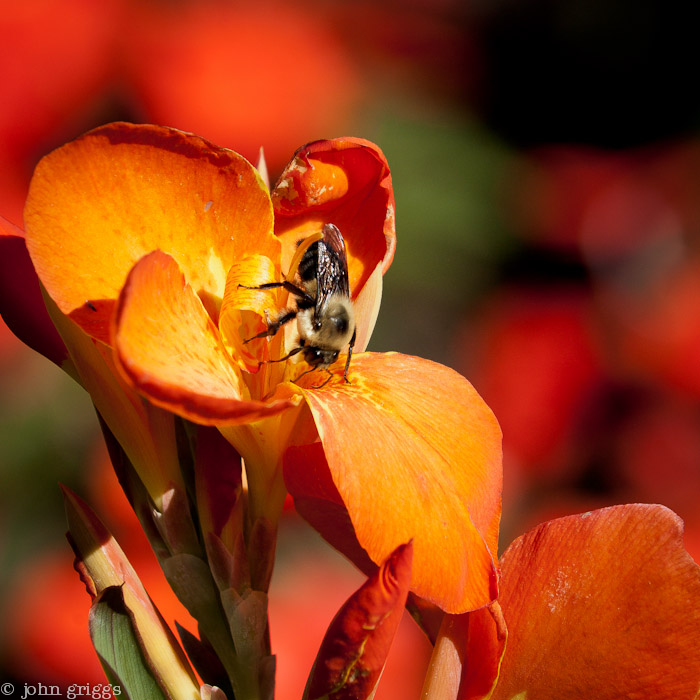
332	267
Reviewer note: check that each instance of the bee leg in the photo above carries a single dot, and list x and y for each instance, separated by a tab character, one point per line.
286	357
288	286
274	326
313	369
347	362
303	373
320	386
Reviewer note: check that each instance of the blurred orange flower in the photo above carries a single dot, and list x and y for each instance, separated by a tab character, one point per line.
142	235
269	75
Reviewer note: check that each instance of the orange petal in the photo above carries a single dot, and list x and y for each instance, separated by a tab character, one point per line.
244	311
101	202
169	348
345	182
601	605
354	650
414	453
366	307
21	303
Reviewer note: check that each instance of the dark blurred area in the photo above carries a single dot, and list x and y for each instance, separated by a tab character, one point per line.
546	166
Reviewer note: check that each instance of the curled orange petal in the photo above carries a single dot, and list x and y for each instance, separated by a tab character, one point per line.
345	182
169	348
354	650
414	453
101	202
244	312
601	605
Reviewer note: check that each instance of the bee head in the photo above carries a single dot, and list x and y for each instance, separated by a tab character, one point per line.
318	357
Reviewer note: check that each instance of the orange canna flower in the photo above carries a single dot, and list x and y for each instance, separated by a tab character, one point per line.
143	236
598	605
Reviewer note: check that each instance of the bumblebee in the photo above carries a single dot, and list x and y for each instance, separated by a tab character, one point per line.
323	309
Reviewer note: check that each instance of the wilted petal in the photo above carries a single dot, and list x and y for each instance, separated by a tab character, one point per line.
601	605
170	349
354	650
21	303
414	453
101	202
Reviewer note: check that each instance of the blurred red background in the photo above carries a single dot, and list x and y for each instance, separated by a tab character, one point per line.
546	164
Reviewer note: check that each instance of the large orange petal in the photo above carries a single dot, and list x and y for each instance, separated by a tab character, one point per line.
414	453
169	348
101	202
602	605
346	182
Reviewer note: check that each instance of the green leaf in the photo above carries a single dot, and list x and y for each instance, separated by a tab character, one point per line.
118	647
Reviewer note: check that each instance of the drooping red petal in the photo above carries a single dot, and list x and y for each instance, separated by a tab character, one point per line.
345	182
217	480
413	453
170	349
354	650
601	605
21	304
100	203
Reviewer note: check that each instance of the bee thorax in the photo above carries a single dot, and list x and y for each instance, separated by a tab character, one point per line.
331	329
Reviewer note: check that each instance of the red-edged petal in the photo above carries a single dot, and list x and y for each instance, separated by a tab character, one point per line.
170	349
21	303
101	202
602	605
354	650
346	182
413	453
